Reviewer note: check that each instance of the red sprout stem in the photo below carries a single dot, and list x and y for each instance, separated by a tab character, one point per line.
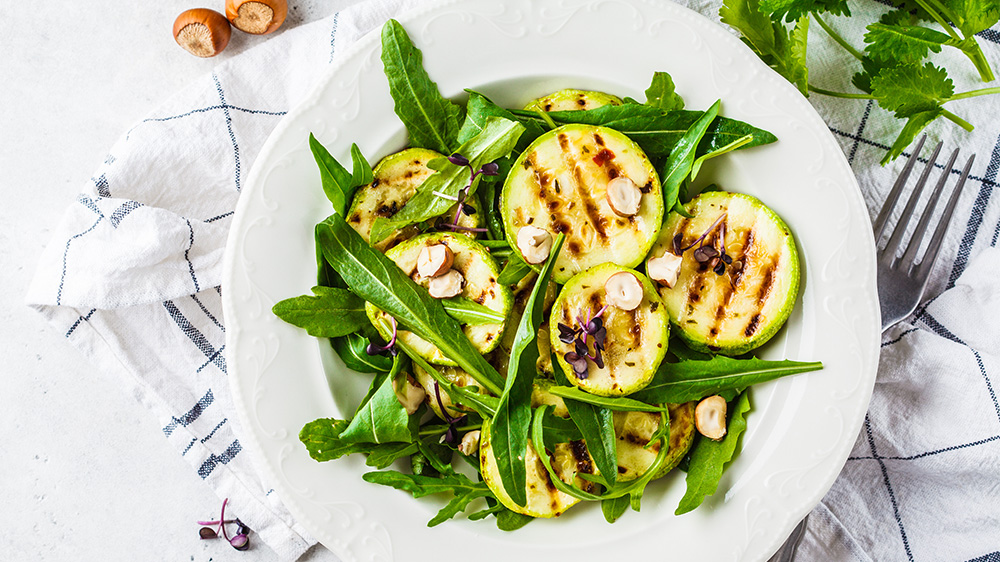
227	521
706	233
222	519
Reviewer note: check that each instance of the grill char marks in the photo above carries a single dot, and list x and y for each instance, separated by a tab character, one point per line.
612	169
597	222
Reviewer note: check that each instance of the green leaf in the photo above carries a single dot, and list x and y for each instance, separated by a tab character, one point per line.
351	349
792	10
514	270
556	429
700	160
974	16
904	43
914	125
678	165
362	173
384	455
617	403
907	89
661	94
478	111
381	419
322	439
377	279
488	200
468	311
495	140
614	508
509	428
468	396
430	119
780	49
598	429
328	313
338	184
692	380
870	67
508	520
709	458
463	489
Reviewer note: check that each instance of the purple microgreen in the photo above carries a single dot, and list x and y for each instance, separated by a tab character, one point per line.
240	542
458	160
717	222
600	336
567	334
490	169
580	347
578	363
727	258
207	533
468	209
719	268
598	359
678	240
222	517
705	253
595	324
389	347
451	436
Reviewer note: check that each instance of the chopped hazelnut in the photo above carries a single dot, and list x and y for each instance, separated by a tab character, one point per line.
434	260
470	443
534	244
665	269
447	285
623	196
623	290
409	393
710	417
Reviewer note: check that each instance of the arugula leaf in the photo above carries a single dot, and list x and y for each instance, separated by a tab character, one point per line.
907	89
377	279
468	311
328	313
478	111
322	439
792	10
783	51
361	173
351	349
678	165
430	119
618	403
496	140
559	430
914	124
338	183
708	458
508	520
692	380
464	489
469	396
381	419
488	201
661	94
614	508
514	270
700	160
384	455
598	429
509	427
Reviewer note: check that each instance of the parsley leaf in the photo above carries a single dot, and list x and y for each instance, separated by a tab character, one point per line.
792	10
783	51
907	89
904	43
914	124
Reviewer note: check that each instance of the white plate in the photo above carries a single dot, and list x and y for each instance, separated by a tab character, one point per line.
801	428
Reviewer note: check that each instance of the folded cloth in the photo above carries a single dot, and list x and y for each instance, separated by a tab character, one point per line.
132	278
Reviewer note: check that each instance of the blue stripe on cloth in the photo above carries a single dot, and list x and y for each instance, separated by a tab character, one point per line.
87	202
861	129
219	217
976	219
207	313
993	557
932	453
333	36
196	337
103	189
223	106
123	211
216	428
900	337
191	415
229	126
212	359
214	460
188	448
187	256
888	487
79	320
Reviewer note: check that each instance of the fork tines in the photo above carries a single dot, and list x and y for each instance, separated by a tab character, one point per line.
889	254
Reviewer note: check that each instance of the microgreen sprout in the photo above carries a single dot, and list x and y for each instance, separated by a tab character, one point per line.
389	347
489	169
450	436
578	335
240	541
715	258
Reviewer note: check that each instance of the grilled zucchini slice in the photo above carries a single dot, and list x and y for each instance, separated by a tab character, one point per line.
742	308
544	500
633	431
636	340
454	375
571	100
559	183
480	271
396	178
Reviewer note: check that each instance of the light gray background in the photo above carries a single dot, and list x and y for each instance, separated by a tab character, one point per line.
85	472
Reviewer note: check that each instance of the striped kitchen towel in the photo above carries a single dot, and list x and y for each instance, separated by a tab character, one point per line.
132	278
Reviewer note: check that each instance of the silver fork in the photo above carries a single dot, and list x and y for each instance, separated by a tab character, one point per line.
902	278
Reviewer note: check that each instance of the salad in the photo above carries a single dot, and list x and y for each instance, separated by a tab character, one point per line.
546	313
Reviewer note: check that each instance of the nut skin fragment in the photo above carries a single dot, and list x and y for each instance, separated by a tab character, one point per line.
434	260
710	417
447	285
202	32
257	17
411	395
624	196
534	244
470	443
623	290
665	269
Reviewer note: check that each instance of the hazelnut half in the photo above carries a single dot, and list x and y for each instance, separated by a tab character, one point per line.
470	443
623	196
710	417
202	32
434	260
409	393
447	285
257	17
623	290
534	244
665	269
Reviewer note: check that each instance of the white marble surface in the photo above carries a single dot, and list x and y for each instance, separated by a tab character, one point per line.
85	473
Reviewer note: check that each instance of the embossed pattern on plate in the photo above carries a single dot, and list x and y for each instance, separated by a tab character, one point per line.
801	428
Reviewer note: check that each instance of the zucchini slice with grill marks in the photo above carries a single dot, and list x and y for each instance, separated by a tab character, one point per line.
636	340
396	178
560	184
456	376
633	431
480	272
738	310
544	499
571	100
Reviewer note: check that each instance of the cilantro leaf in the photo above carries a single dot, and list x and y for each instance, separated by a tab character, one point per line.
904	43
792	10
973	16
661	94
464	489
914	124
780	49
907	89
